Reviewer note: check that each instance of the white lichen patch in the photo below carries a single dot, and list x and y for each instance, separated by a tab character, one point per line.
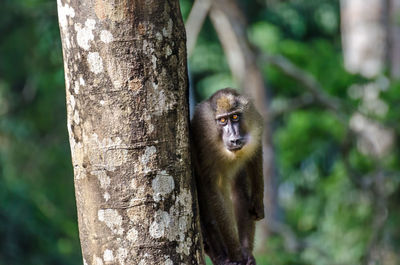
134	183
76	87
76	117
72	101
184	203
84	34
163	102
108	255
150	126
167	32
163	184
103	178
106	196
66	76
112	219
77	159
184	246
154	61
81	81
154	85
132	235
122	254
146	158
95	62
168	51
168	261
175	224
161	223
150	150
63	12
79	173
97	260
77	56
106	36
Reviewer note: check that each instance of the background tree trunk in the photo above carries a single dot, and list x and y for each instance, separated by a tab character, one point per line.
364	35
394	38
126	88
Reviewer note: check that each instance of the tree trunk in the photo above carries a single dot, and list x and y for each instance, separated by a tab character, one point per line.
394	38
364	36
126	88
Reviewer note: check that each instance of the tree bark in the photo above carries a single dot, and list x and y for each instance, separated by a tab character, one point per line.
126	88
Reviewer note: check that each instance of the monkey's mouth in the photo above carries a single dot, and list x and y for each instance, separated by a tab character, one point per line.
234	148
235	144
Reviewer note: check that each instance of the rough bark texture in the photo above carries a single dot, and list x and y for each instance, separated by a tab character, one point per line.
126	87
230	26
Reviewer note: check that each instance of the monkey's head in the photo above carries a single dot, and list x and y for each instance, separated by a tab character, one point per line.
238	123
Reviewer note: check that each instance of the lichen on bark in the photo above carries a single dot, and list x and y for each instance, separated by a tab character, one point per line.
126	89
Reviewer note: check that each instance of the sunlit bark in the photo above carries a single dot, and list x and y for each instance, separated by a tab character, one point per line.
126	88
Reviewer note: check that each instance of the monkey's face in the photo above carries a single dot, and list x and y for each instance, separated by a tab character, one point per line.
232	133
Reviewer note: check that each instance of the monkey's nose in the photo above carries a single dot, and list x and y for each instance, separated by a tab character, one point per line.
236	142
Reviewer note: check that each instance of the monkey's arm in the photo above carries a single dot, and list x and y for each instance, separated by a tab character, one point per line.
213	240
254	171
216	213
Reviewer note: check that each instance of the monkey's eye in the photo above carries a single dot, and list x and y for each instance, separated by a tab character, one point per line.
222	120
235	117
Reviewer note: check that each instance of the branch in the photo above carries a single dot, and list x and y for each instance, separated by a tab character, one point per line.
309	82
290	105
195	22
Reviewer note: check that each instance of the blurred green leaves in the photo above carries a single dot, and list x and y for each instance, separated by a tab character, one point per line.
38	207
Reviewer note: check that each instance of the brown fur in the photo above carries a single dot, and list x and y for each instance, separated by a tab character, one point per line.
230	184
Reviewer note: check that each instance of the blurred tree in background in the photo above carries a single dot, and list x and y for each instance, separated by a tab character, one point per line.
37	209
334	129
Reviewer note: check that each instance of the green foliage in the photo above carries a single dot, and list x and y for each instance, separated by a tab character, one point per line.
38	208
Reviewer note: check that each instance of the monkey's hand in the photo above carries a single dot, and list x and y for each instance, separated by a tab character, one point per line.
251	260
257	209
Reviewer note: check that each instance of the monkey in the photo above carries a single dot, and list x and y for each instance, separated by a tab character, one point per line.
226	137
